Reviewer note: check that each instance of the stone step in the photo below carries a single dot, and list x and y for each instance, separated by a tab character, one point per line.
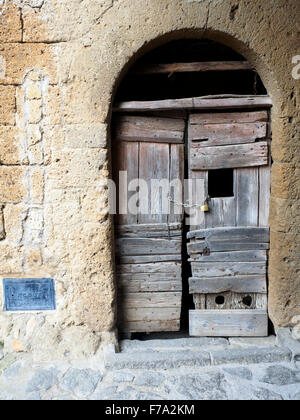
190	343
176	359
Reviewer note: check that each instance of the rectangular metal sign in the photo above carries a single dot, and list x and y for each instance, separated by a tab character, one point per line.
29	294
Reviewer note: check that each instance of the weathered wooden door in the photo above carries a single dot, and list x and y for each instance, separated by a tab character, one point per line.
148	153
228	247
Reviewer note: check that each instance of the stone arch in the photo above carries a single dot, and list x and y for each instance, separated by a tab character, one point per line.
276	308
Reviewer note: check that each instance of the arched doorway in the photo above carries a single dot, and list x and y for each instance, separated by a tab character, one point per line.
192	110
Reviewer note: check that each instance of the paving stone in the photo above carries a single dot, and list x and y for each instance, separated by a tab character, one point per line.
285	339
63	398
247	342
250	355
35	396
144	396
13	371
207	386
150	379
264	394
123	377
280	375
108	393
82	382
125	394
42	380
192	343
241	372
156	360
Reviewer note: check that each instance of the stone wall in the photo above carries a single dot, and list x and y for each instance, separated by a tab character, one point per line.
60	64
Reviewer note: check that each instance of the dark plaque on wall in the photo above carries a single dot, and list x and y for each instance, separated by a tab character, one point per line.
29	294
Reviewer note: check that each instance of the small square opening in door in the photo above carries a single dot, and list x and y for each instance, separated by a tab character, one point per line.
220	183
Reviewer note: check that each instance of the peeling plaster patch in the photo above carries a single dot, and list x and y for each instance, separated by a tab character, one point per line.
2	230
2	67
35	4
3	6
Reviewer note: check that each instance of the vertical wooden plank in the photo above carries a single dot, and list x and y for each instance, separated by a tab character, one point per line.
126	160
264	195
222	212
153	165
196	196
247	196
176	173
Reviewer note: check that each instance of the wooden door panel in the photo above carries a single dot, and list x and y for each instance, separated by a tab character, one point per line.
237	156
149	244
228	250
154	165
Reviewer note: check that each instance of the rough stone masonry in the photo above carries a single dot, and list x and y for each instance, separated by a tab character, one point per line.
60	65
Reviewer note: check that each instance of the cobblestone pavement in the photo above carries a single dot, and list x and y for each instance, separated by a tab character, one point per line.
176	369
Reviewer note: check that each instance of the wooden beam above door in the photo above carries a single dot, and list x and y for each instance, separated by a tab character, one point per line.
199	103
164	68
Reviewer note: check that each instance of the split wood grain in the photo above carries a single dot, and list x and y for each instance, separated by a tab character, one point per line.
147	246
226	134
222	269
208	102
220	157
238	256
152	300
240	234
230	323
228	117
163	68
149	129
238	284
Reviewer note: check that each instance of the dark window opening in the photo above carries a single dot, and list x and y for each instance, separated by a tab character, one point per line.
247	300
220	183
220	300
147	87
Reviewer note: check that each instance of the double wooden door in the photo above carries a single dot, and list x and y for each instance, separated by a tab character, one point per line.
229	237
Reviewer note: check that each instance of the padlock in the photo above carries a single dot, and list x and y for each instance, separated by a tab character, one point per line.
205	207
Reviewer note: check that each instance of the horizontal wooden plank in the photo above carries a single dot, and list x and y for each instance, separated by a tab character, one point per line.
225	134
204	102
150	228
144	259
240	234
222	269
148	276
163	68
152	129
220	157
221	246
158	267
233	300
237	256
150	326
228	117
239	284
232	102
151	300
148	314
152	234
228	323
146	246
149	285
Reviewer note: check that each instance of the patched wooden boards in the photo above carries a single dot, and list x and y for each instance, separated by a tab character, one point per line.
148	244
149	277
248	323
223	283
228	140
